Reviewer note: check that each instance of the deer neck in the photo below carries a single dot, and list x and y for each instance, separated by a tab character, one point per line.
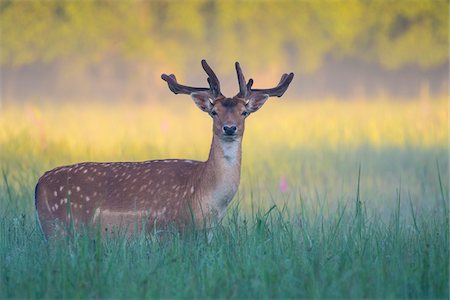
225	153
222	174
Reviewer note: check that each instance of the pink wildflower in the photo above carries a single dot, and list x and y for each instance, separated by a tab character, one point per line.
283	185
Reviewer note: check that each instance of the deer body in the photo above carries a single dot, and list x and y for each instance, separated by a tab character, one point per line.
119	196
159	191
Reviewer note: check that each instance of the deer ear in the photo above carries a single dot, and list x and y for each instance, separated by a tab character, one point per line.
203	100
256	101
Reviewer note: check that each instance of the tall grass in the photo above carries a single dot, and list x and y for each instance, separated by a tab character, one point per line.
363	213
264	255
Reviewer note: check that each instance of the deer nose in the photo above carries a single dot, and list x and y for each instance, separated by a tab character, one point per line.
229	130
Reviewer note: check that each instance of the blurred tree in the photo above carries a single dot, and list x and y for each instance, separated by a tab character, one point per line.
392	33
268	35
398	33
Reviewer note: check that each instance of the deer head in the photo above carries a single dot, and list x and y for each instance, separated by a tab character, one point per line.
228	114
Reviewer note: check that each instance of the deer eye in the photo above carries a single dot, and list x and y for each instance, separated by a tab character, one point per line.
245	113
213	113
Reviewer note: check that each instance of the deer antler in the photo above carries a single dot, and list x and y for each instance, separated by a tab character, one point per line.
241	80
213	81
245	91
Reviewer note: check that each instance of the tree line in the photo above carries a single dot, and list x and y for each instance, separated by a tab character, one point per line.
275	35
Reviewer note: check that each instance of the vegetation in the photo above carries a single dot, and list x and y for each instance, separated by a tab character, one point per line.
337	200
299	34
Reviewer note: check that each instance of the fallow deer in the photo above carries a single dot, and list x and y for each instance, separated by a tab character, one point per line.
159	192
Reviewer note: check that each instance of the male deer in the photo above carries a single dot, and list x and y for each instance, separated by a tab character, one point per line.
116	195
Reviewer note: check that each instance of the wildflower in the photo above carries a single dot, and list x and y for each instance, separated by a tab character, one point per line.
283	185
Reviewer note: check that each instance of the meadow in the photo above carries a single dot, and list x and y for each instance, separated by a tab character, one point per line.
338	199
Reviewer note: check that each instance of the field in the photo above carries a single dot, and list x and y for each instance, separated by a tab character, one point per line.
338	199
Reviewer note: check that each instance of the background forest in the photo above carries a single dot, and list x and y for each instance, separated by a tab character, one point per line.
118	49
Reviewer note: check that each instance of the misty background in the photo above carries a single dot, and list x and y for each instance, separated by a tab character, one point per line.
117	50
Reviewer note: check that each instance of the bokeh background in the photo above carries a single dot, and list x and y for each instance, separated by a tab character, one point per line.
116	50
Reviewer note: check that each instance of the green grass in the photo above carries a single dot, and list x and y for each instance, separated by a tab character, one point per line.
336	233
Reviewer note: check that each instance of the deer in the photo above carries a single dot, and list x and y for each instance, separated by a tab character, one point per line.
116	195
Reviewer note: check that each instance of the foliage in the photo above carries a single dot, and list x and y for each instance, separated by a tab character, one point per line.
300	34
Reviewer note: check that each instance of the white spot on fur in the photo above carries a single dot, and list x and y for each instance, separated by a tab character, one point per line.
78	188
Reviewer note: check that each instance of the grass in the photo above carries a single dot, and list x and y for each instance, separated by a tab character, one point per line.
364	215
